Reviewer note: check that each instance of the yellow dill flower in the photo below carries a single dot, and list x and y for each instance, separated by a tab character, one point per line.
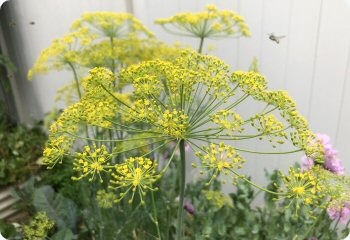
304	187
136	175
91	162
251	83
147	85
212	23
175	101
142	110
208	70
173	123
105	199
38	227
219	158
218	198
60	55
111	24
270	127
98	79
56	148
229	120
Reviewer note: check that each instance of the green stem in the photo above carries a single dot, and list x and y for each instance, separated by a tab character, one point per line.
75	79
182	171
155	216
201	45
113	61
312	227
336	224
255	185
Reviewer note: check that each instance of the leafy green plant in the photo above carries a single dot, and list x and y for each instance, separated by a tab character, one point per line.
20	149
234	216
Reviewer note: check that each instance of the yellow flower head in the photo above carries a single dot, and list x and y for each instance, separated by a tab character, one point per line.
212	23
304	187
136	175
218	198
219	158
229	120
111	24
91	162
270	127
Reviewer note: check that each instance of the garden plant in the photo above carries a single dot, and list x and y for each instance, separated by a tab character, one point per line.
138	110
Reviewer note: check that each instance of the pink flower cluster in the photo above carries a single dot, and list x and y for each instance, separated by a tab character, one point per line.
332	162
343	214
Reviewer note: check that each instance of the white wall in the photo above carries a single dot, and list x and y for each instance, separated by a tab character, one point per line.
312	62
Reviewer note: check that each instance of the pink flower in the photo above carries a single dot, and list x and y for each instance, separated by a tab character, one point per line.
189	206
343	214
307	163
332	162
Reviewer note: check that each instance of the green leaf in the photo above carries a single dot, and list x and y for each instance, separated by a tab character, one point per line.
58	208
240	231
64	234
7	230
222	230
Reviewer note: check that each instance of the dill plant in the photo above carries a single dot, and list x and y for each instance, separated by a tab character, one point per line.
132	109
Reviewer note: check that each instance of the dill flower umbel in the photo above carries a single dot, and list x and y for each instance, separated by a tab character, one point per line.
179	101
220	159
39	227
100	39
304	188
212	23
91	162
136	175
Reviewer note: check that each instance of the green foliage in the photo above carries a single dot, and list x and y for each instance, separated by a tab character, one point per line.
7	230
20	149
58	208
64	234
273	220
5	62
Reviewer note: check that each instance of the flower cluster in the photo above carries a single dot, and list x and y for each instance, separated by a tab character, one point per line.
220	158
228	119
218	198
305	188
61	54
339	212
110	24
332	161
176	101
135	175
212	23
39	227
91	162
271	128
255	85
100	39
105	199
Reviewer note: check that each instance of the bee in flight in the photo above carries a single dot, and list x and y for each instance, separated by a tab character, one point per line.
275	38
